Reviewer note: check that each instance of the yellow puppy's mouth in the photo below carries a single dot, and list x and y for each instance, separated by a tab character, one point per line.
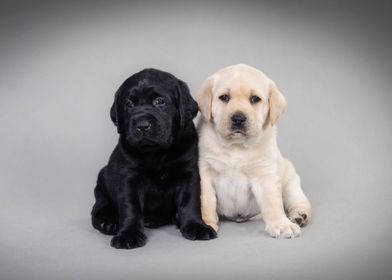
237	134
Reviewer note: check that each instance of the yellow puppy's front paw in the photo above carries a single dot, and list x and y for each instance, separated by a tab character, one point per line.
283	229
214	225
211	220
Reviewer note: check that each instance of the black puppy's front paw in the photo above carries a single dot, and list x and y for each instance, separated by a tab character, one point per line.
198	231
129	240
106	223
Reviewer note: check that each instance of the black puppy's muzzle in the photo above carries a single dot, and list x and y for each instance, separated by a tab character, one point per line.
238	122
143	125
146	126
148	129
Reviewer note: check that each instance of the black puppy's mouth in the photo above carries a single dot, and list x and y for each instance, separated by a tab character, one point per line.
148	145
148	141
144	138
143	143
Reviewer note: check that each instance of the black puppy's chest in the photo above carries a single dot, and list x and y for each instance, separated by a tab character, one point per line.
159	202
160	177
162	173
162	181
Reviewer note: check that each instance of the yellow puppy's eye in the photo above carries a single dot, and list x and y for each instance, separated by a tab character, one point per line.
255	99
224	98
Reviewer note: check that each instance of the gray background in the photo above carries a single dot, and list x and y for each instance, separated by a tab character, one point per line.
60	66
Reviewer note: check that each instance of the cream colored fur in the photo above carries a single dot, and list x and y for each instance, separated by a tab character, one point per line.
243	175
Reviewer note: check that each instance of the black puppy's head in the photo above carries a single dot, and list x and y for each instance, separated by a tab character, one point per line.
150	107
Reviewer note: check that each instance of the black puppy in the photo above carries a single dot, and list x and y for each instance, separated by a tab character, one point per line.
152	177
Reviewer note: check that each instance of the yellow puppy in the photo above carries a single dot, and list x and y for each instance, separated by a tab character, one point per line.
241	168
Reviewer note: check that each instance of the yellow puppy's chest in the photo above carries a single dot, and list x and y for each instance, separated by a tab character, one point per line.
235	199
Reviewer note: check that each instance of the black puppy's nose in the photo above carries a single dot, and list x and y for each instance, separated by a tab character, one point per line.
238	119
143	125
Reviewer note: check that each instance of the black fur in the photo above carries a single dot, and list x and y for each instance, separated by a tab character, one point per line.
152	177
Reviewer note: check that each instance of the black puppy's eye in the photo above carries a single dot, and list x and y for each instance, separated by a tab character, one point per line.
224	98
255	99
129	103
159	101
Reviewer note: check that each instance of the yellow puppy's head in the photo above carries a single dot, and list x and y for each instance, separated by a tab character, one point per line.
240	101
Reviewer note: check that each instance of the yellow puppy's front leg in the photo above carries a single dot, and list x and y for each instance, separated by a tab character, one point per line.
208	199
268	193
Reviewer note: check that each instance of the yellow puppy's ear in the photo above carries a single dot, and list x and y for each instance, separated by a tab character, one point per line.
277	103
204	98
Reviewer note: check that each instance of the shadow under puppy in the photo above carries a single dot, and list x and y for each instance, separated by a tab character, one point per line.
152	177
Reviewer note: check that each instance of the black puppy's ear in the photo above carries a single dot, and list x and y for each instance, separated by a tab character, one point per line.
114	111
187	105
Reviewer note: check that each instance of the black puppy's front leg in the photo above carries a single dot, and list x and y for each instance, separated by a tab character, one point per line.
188	210
130	206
